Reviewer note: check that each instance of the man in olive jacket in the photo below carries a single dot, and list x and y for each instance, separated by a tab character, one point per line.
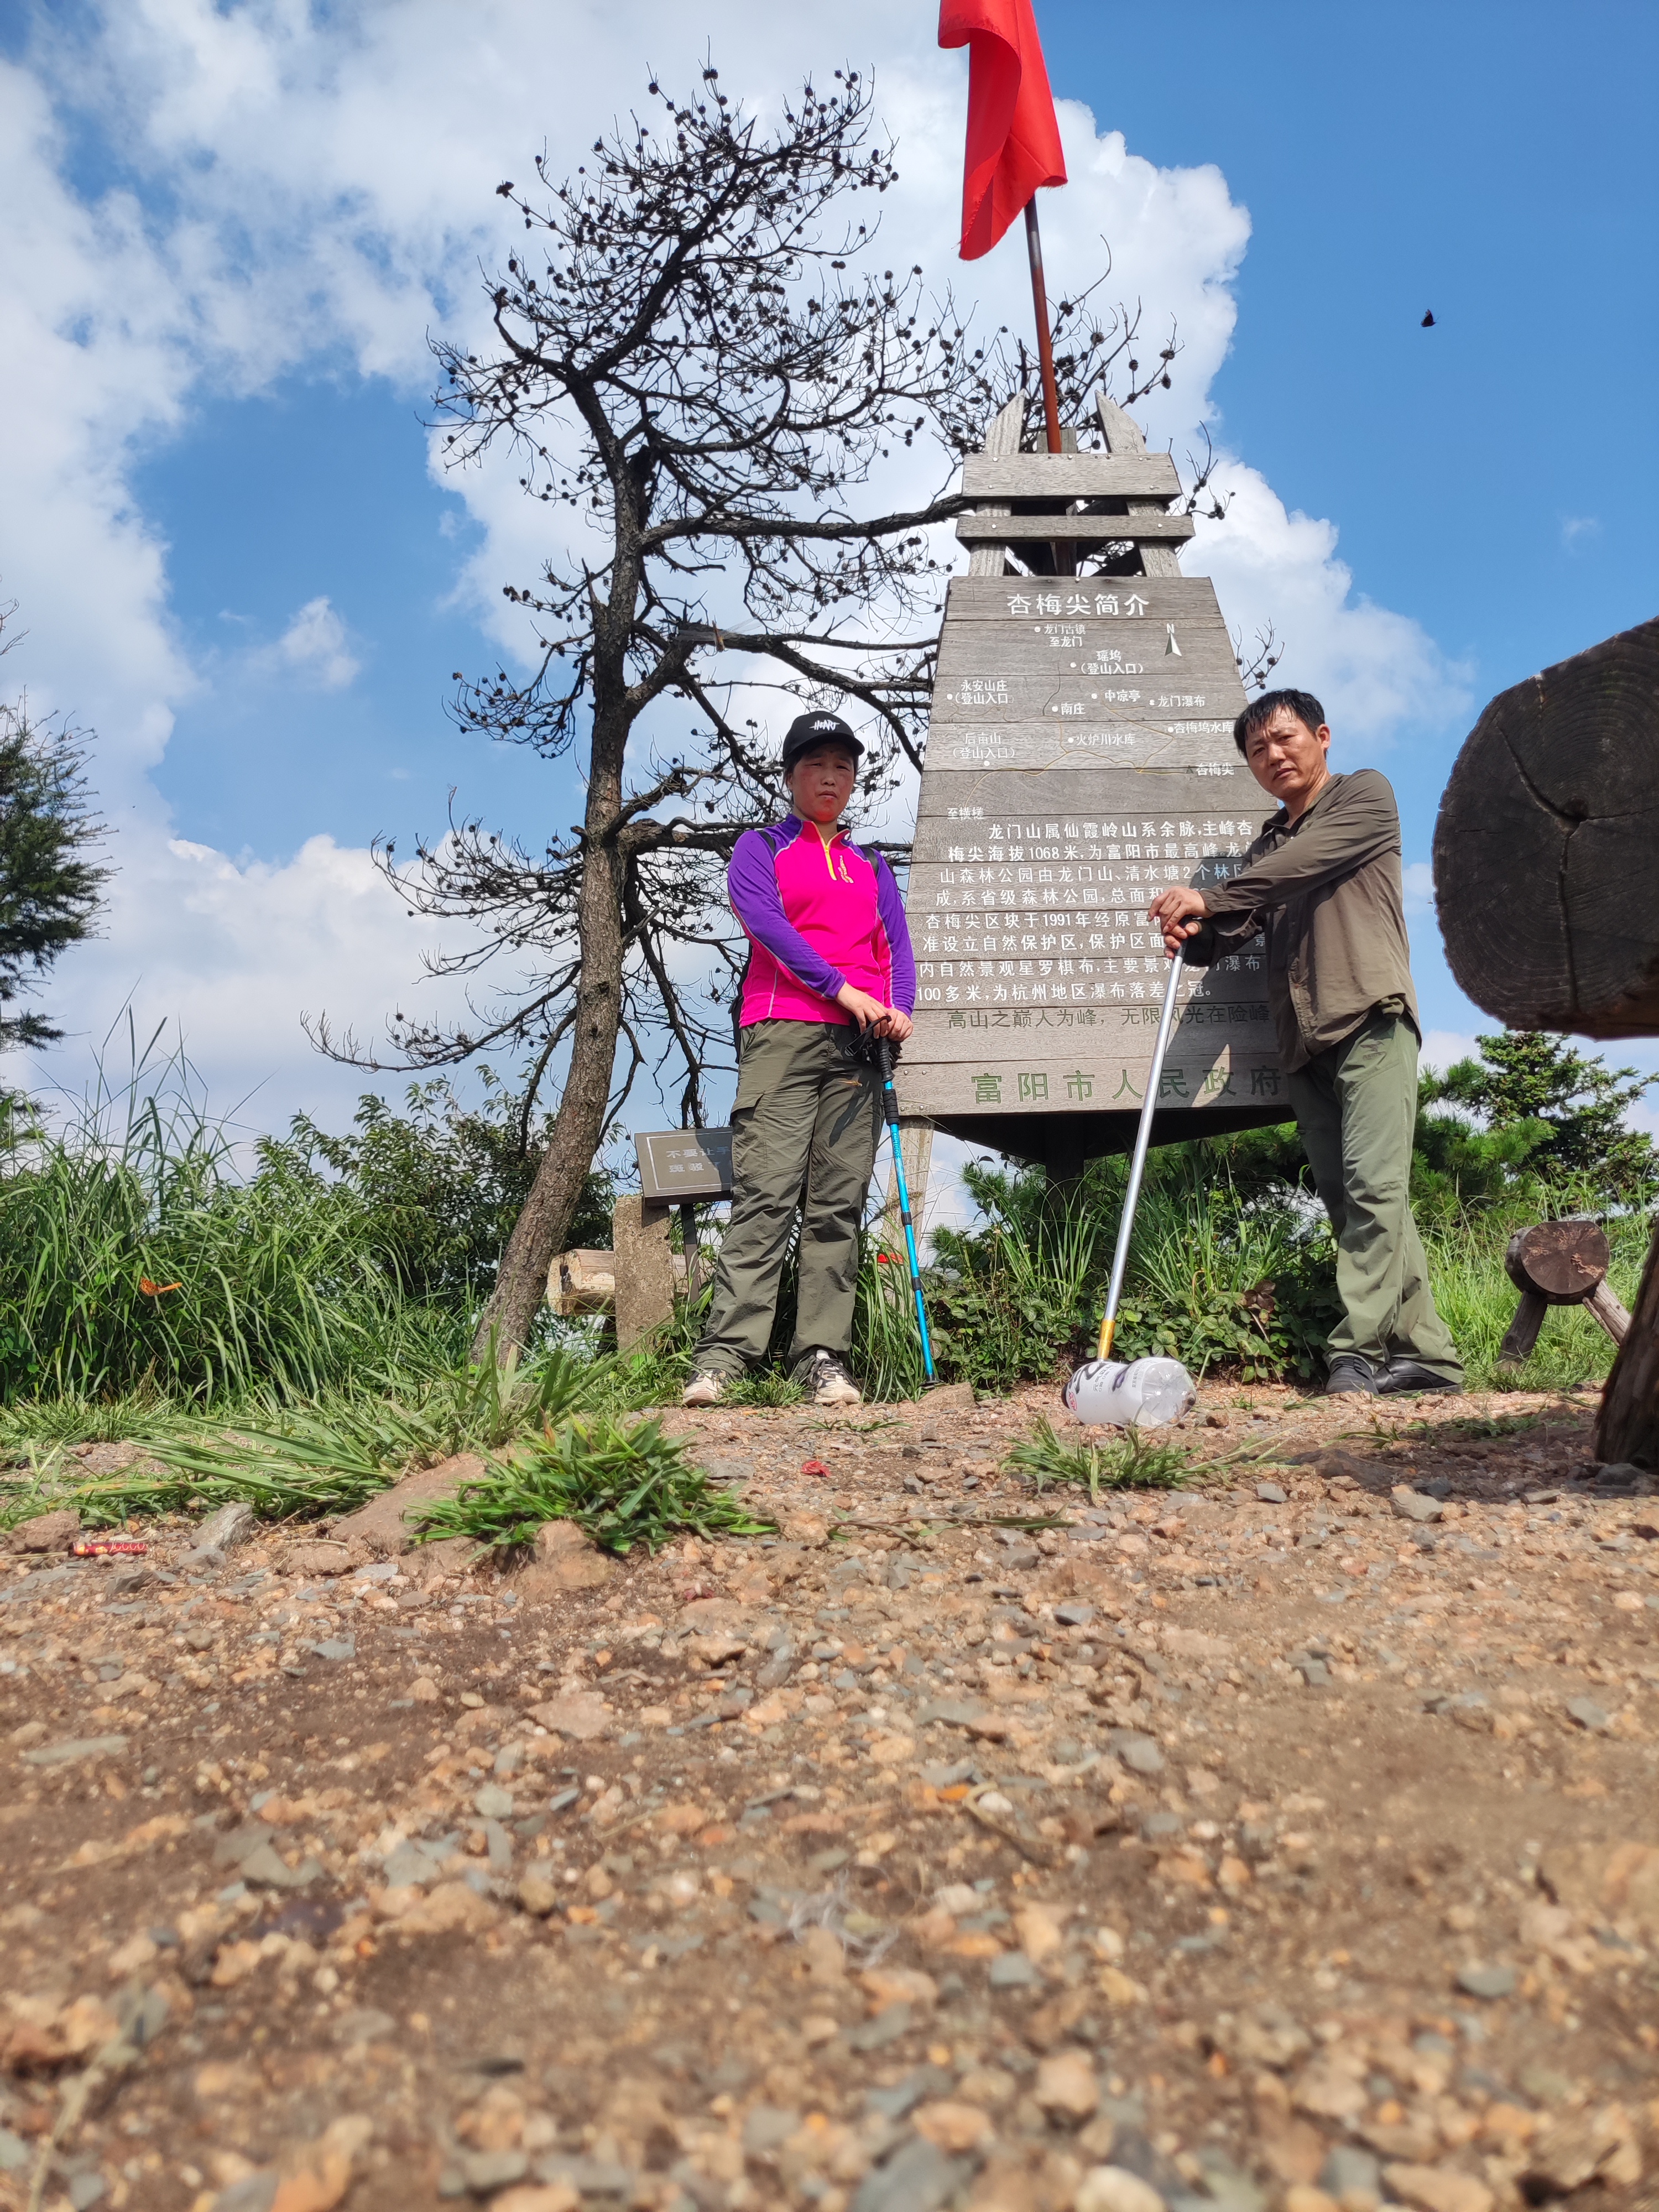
1322	884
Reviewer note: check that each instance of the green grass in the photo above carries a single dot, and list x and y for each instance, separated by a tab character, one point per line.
135	1259
1477	1301
624	1482
298	1459
1129	1462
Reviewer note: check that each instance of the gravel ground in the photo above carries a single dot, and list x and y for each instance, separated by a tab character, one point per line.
1287	1841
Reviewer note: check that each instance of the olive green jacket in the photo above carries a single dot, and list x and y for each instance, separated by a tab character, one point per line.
1325	891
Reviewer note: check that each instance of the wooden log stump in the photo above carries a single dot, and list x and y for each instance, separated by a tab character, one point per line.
1558	1263
1543	852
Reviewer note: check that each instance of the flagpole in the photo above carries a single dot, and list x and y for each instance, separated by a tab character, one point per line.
1045	342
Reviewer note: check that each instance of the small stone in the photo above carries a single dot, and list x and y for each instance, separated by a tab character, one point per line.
486	2171
423	1690
567	1559
1013	1970
952	1712
1411	1505
318	1555
1566	2154
1066	2086
264	1868
579	1714
952	2125
47	1531
1438	2188
1076	1616
1139	1753
1488	1982
767	2129
1269	1493
1040	1931
1115	2189
73	1749
492	1803
1587	1713
538	1895
227	1529
919	2178
1349	2168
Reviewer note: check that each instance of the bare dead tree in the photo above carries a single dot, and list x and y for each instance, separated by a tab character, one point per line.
1257	662
696	359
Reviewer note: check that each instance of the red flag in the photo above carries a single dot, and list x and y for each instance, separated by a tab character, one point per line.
1013	139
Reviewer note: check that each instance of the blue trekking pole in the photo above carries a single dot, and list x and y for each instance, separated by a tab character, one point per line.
890	1104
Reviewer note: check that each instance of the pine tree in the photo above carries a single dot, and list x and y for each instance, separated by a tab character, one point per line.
1524	1076
49	889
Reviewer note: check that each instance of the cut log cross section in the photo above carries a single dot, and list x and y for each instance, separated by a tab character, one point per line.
1544	885
1559	1263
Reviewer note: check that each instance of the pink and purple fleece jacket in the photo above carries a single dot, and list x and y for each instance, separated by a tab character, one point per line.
816	916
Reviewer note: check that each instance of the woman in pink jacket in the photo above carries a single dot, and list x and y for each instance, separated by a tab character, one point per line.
830	959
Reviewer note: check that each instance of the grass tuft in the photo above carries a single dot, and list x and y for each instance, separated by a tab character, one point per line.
764	1389
1130	1461
625	1483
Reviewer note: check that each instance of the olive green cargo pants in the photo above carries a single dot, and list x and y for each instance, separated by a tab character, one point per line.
1356	1108
803	1132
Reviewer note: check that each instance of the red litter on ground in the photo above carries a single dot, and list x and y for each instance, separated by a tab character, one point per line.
99	1546
814	1466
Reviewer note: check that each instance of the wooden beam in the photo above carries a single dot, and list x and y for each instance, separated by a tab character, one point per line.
1080	529
1605	1305
1122	433
1001	442
1070	475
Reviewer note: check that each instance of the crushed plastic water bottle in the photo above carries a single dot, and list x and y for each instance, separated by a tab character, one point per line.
1145	1393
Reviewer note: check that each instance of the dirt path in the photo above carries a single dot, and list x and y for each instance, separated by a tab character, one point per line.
1265	1844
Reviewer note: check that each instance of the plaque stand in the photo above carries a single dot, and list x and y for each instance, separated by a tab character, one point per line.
1080	759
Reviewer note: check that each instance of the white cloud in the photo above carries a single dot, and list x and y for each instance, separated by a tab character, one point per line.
314	645
319	188
1373	671
1577	530
1419	876
235	955
1443	1048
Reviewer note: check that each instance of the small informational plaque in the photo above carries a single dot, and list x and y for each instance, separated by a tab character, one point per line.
1080	759
683	1165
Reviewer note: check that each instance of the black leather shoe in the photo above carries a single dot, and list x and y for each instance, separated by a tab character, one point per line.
1411	1374
1353	1375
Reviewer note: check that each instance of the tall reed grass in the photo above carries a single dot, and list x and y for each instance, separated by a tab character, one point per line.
136	1258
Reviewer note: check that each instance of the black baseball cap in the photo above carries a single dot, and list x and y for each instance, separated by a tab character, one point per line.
808	732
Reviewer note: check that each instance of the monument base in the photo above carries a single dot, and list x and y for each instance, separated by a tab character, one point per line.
1064	1143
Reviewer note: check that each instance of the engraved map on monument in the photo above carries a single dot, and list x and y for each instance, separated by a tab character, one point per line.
1080	759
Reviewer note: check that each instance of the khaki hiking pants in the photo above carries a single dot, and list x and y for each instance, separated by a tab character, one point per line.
1356	1108
803	1132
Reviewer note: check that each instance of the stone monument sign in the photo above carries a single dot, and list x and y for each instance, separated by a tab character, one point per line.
1080	758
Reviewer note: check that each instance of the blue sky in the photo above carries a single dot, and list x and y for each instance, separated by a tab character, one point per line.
234	558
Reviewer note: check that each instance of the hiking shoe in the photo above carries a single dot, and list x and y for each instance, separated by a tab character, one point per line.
1411	1374
704	1388
826	1381
1352	1374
